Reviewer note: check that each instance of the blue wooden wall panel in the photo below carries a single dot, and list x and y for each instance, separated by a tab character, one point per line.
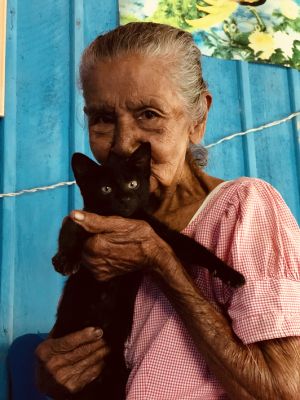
224	118
99	17
8	214
43	86
250	166
44	125
275	149
294	91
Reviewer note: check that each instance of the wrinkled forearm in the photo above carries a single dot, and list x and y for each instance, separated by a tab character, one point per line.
262	371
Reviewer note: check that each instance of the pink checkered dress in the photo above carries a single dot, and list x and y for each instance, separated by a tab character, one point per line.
247	224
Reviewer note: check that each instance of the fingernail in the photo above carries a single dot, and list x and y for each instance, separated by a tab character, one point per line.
99	332
78	216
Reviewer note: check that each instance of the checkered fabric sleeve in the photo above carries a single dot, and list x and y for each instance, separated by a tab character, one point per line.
262	242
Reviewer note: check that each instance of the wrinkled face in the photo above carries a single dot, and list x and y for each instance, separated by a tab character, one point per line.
131	100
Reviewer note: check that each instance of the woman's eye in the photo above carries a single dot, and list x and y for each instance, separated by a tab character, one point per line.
105	119
148	114
106	189
133	184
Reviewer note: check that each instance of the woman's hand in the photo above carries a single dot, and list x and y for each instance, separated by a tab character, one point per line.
66	365
118	245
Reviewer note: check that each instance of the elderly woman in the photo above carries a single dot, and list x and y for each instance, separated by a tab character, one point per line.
192	336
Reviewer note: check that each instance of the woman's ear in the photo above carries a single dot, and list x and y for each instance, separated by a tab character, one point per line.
198	130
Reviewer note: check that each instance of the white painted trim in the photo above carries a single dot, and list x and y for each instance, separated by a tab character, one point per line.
3	8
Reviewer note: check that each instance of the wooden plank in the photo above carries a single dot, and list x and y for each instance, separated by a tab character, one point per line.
43	123
8	245
3	10
78	138
8	248
247	118
227	159
275	150
99	17
294	91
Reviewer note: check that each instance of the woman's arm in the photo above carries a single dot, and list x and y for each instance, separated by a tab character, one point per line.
266	370
263	371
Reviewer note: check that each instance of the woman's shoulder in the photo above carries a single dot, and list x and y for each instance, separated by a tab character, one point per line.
240	199
247	221
245	190
254	196
244	187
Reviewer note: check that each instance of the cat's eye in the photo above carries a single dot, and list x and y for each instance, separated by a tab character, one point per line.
106	189
133	184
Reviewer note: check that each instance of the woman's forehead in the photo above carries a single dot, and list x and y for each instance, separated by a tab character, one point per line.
132	104
130	67
137	79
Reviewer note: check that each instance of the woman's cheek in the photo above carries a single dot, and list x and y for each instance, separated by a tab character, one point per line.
100	145
153	184
161	176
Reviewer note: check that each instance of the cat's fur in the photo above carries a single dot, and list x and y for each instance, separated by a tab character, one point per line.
110	190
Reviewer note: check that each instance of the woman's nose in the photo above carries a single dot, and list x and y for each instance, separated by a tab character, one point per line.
126	140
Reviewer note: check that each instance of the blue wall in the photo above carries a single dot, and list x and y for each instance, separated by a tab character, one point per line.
44	125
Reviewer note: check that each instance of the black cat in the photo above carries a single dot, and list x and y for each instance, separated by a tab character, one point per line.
119	187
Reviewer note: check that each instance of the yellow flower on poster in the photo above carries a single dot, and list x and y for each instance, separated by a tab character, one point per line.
263	44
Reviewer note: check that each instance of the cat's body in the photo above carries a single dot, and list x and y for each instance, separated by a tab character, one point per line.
109	305
120	187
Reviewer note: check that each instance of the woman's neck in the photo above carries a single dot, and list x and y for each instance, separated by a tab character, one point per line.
176	206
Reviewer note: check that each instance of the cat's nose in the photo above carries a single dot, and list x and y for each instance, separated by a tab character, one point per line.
125	200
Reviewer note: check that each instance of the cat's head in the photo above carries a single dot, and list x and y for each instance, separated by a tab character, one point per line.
118	187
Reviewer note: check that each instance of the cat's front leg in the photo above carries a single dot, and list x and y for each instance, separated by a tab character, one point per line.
70	244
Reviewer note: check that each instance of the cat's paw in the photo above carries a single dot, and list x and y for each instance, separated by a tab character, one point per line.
230	276
64	265
236	281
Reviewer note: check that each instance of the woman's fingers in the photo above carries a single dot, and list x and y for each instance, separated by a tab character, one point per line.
68	342
95	223
76	383
75	376
117	246
74	356
76	339
71	362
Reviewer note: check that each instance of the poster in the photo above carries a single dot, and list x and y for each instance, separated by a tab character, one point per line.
265	31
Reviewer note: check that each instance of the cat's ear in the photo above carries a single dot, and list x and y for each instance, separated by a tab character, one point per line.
141	157
83	167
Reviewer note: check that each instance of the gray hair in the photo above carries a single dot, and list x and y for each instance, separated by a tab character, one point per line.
156	40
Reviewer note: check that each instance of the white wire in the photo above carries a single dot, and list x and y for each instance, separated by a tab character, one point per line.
56	185
260	128
37	189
